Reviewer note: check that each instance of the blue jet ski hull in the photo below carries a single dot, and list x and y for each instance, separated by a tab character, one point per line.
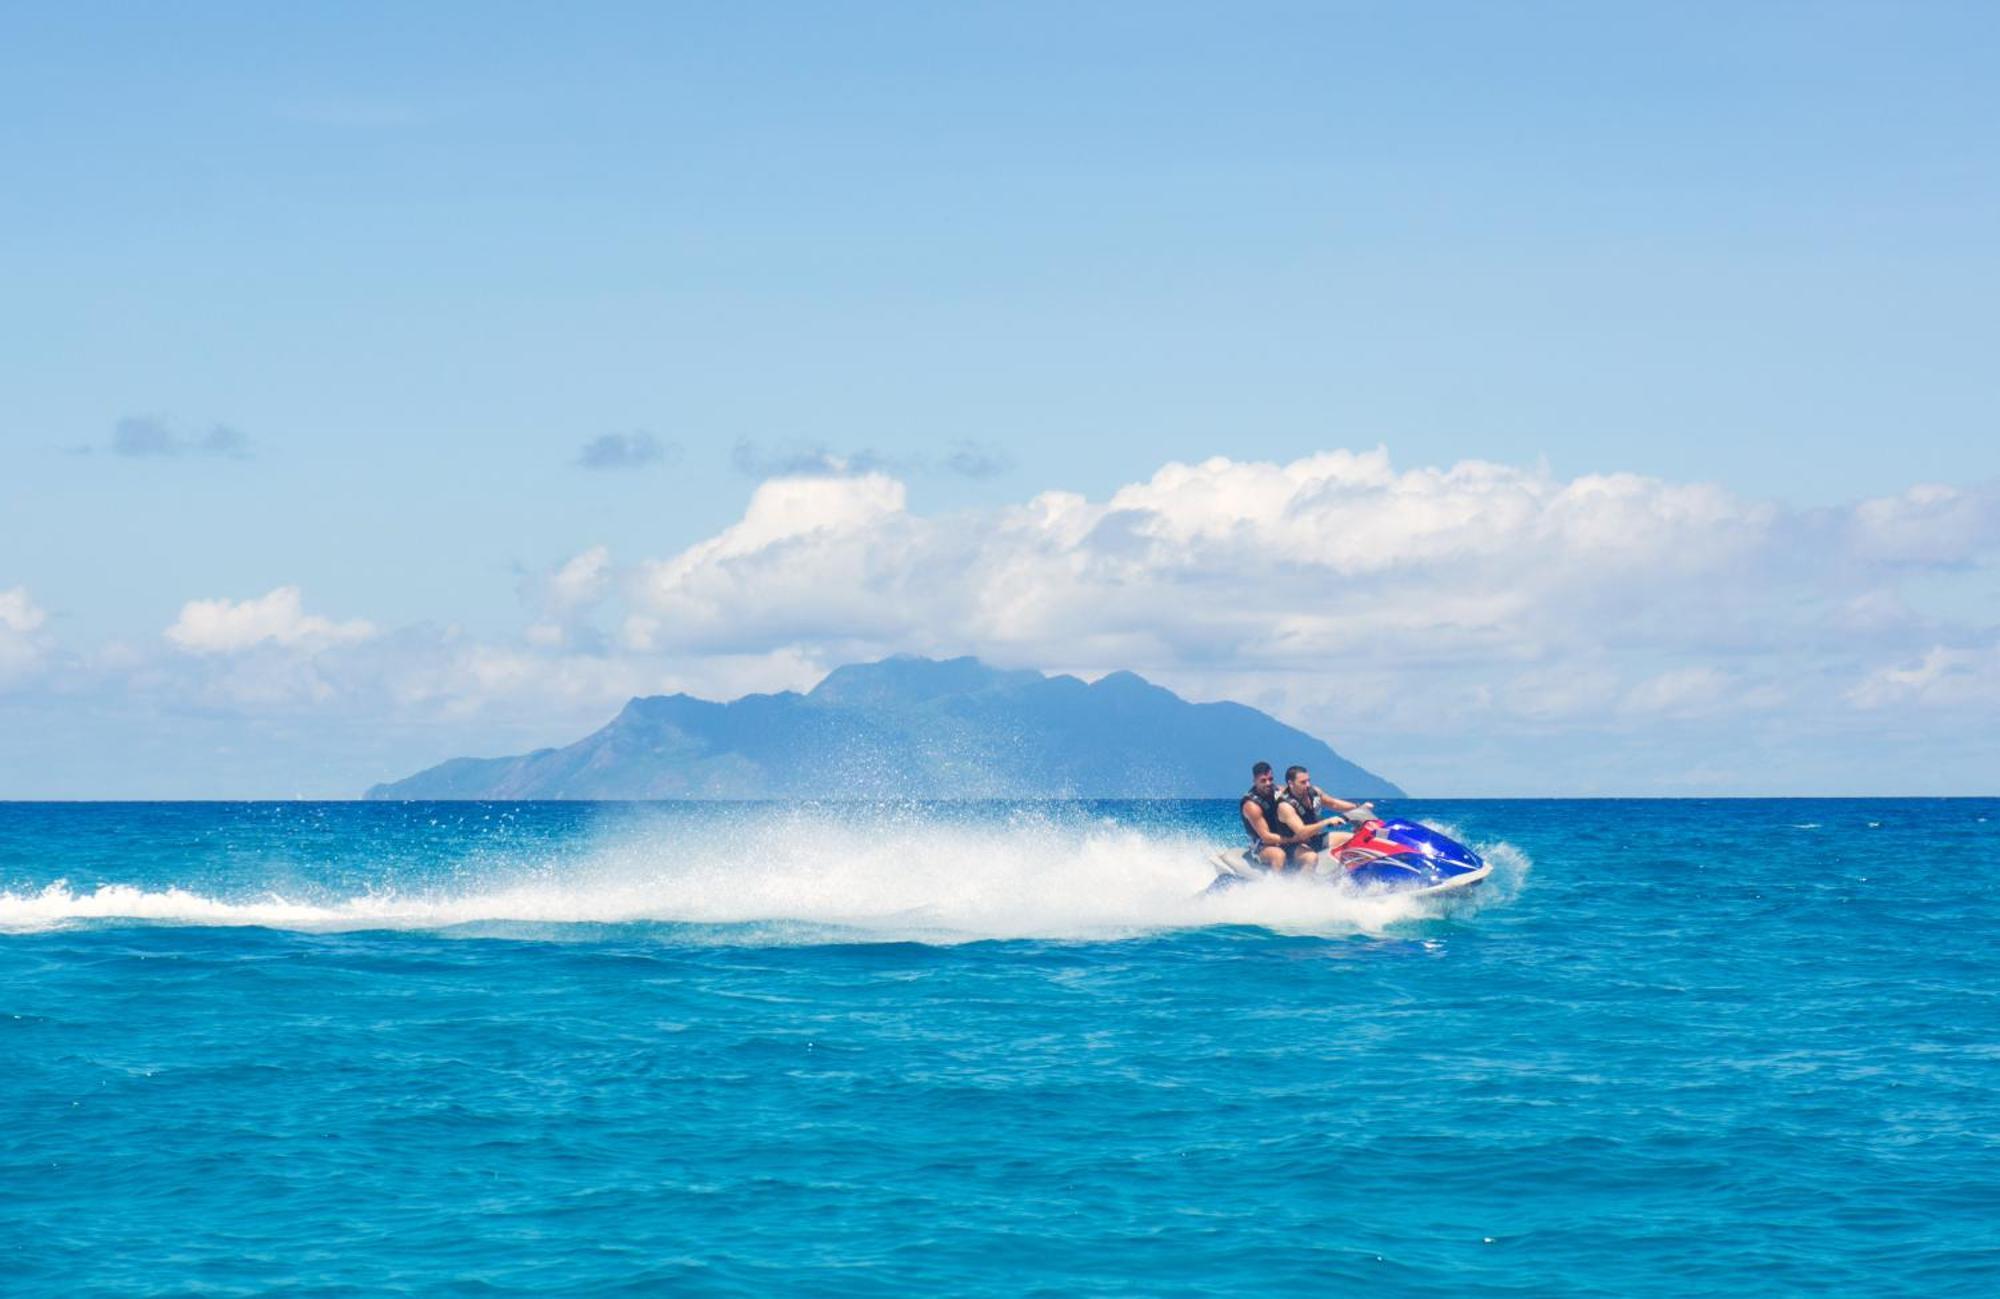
1383	857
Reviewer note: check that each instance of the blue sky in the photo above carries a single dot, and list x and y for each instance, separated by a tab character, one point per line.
416	262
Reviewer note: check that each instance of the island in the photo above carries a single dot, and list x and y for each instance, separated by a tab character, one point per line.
916	728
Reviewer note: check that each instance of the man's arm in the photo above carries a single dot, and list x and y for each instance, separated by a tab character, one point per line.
1299	831
1253	812
1337	804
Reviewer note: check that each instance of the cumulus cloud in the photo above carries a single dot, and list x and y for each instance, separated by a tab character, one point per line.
1225	560
141	437
815	544
1336	588
625	451
279	618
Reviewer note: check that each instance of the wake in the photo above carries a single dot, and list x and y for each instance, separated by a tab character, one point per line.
806	879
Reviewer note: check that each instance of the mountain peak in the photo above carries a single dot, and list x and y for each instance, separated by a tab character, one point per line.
909	678
1129	685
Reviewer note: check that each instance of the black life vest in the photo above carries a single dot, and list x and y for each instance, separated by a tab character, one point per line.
1269	802
1308	810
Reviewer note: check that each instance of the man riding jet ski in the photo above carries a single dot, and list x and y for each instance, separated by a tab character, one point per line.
1291	831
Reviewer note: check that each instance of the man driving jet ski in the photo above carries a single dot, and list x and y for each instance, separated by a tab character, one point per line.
1287	830
1306	812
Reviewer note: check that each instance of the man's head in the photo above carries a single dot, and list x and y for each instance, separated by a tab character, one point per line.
1298	780
1260	776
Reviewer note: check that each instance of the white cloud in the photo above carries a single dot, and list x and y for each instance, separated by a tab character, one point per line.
18	613
1684	692
563	601
582	581
279	618
22	643
1328	557
812	559
1945	676
1928	524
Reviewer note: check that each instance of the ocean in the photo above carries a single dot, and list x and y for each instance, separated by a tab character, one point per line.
1671	1047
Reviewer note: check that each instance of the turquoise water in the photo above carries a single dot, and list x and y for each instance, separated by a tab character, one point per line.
350	1049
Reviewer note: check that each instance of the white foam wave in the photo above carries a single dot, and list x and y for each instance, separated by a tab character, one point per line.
803	880
1510	865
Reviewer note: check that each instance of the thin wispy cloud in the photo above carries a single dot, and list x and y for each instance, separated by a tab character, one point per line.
147	437
224	441
977	460
967	459
804	460
614	451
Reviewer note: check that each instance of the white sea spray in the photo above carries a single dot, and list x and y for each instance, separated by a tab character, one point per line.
891	873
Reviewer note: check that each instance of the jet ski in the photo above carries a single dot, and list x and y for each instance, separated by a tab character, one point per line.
1390	856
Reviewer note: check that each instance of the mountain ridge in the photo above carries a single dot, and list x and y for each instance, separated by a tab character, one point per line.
909	727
